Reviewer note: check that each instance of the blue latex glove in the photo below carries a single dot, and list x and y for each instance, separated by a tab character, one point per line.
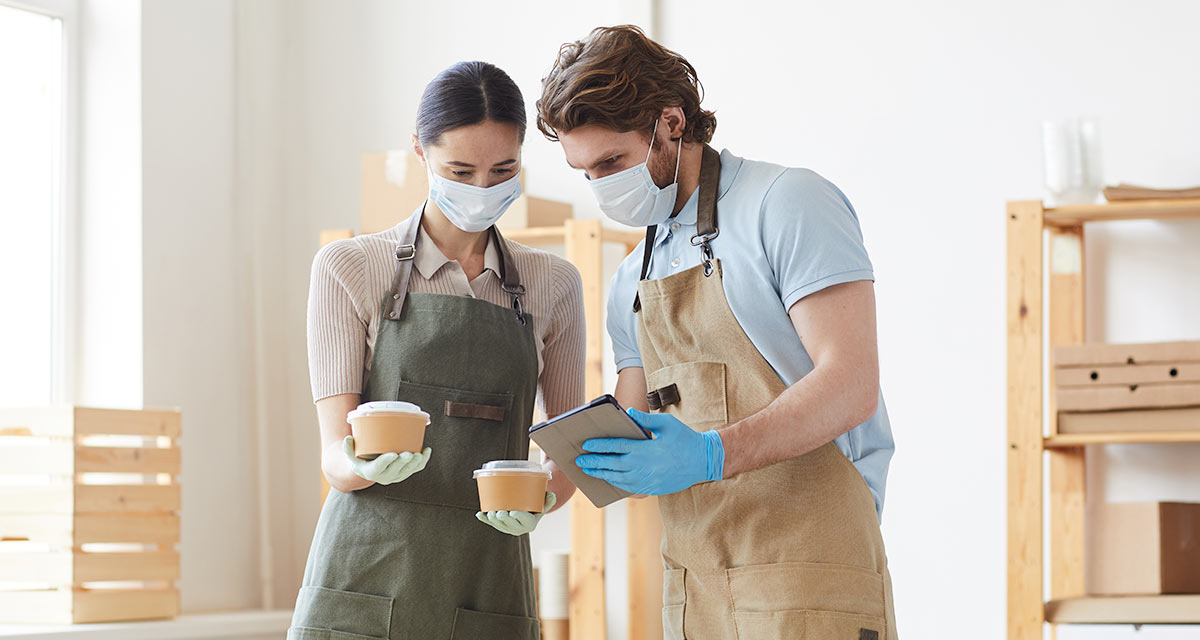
674	460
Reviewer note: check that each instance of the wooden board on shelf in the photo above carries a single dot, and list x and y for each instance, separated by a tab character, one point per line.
1131	421
1168	609
1074	215
1142	437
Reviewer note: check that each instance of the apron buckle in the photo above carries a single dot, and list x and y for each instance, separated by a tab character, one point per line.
406	251
516	291
663	397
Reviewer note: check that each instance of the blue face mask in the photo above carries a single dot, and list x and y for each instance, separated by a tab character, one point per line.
472	208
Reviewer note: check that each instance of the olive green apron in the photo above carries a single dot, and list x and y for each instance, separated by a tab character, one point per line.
409	561
792	550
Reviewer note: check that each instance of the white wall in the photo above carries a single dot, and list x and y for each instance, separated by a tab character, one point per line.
927	114
197	292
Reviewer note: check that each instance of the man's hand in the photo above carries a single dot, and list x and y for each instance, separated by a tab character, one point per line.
674	460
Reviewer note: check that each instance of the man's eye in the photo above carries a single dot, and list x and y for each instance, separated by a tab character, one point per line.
611	161
504	171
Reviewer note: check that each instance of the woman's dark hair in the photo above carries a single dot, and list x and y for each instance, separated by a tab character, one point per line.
468	93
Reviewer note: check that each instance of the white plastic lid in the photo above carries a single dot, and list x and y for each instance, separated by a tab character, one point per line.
511	468
386	406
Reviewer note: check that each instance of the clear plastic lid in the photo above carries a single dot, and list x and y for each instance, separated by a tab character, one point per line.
511	468
386	406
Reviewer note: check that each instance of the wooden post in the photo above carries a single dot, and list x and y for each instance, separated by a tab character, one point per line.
1026	612
584	248
1068	479
644	529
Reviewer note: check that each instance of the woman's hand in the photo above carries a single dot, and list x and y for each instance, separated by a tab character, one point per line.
388	468
516	523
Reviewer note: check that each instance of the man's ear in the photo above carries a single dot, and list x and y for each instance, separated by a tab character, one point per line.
675	121
419	151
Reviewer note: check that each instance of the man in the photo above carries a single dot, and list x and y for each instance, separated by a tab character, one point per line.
745	324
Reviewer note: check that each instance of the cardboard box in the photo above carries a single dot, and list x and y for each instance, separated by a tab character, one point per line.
1143	549
1087	355
1130	421
394	184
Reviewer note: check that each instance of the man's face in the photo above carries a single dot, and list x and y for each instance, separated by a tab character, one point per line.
601	152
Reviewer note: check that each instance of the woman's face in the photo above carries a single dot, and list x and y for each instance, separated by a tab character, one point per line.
480	155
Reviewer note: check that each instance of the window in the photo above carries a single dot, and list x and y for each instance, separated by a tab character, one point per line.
34	205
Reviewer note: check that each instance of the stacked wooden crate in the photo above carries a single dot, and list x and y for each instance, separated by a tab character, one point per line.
1102	388
89	515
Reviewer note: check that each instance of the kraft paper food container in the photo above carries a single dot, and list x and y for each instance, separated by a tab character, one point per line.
381	427
512	485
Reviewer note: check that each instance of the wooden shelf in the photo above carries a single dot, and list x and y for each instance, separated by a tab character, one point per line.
1075	215
557	235
1170	609
1136	437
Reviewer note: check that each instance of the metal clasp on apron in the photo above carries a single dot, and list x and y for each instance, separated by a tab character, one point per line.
406	251
706	254
516	292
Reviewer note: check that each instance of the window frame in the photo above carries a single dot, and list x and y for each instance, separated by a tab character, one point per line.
66	223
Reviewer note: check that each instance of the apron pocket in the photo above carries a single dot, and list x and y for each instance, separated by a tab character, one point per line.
461	443
701	387
809	625
674	598
472	625
807	599
344	614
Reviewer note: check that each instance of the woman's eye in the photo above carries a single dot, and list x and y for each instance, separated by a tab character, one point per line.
461	174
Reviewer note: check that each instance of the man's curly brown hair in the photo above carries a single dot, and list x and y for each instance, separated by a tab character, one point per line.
618	78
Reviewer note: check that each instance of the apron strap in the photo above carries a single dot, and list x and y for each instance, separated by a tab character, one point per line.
406	250
706	217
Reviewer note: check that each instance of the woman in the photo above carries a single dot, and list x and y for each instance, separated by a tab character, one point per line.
442	312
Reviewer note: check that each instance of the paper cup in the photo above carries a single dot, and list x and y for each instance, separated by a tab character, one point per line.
512	485
382	427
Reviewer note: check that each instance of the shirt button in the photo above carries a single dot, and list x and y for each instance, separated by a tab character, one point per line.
675	263
674	226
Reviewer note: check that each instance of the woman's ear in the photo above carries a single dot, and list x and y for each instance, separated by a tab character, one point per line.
419	151
675	121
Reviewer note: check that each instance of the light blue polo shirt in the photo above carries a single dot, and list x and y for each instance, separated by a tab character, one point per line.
784	234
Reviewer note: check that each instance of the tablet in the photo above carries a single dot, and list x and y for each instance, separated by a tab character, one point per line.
562	439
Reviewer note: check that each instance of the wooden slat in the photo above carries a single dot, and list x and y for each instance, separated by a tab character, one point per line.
30	499
43	421
112	605
644	525
1141	396
627	238
36	607
147	566
147	497
1074	215
52	458
1147	437
143	422
1127	374
587	622
1092	355
52	529
52	568
1024	460
144	460
150	528
1068	478
1166	609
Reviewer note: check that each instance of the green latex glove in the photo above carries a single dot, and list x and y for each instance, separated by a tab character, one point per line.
517	523
388	468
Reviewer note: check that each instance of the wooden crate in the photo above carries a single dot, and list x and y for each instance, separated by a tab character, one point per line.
89	514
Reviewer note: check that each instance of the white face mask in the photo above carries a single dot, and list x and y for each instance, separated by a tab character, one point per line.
472	208
631	197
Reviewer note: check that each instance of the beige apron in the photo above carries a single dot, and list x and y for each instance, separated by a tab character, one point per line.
792	550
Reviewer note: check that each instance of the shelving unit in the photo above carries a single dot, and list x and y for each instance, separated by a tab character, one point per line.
1030	225
583	242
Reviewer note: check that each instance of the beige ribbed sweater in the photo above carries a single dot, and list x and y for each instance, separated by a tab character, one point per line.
351	277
